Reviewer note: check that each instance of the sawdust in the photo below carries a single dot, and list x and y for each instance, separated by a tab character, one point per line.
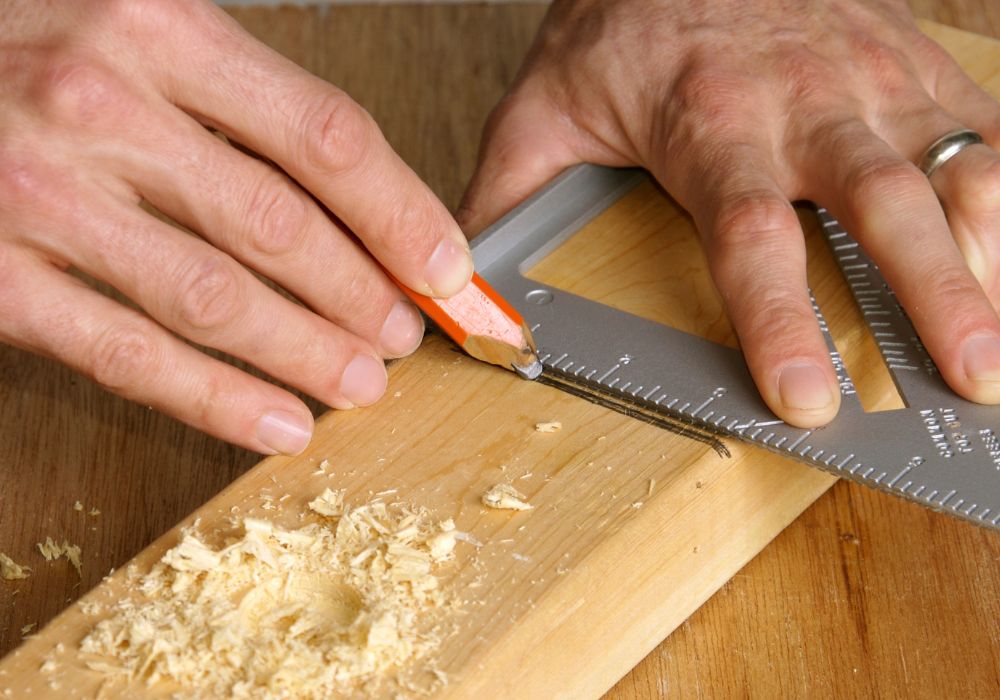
505	497
91	607
71	552
10	570
548	427
339	606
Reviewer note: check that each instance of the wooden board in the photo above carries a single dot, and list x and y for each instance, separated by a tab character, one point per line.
526	650
458	427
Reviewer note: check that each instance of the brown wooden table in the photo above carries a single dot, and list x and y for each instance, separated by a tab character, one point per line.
863	595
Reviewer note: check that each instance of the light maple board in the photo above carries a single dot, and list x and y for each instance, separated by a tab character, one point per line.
572	594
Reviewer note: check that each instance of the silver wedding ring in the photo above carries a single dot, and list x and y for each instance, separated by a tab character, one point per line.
946	148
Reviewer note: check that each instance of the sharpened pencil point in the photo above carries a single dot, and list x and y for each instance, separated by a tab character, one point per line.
531	371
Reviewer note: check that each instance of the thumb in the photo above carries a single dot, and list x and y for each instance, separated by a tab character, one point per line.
523	147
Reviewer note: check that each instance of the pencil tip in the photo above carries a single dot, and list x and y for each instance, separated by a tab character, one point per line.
529	371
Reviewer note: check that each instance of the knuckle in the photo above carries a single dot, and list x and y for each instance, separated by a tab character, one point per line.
952	287
213	400
123	357
77	90
750	219
320	360
805	80
780	325
209	296
752	226
361	294
712	97
23	183
278	217
878	180
884	62
337	134
412	228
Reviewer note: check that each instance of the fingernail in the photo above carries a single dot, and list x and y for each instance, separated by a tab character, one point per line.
363	381
981	358
284	432
448	269
402	330
804	387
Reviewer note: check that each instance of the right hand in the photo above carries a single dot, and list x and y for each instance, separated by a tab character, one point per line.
739	108
104	104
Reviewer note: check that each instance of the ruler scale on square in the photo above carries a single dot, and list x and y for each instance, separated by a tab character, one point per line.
941	451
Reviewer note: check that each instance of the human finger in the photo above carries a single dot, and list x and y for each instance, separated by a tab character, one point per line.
330	145
204	295
890	207
954	90
757	257
968	184
48	312
260	217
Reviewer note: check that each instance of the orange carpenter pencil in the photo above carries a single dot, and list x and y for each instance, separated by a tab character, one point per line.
485	325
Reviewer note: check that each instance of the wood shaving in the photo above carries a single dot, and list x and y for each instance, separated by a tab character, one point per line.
27	628
329	503
548	427
442	543
10	570
78	506
52	551
323	469
333	608
505	497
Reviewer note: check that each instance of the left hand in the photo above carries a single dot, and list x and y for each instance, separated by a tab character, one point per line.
740	108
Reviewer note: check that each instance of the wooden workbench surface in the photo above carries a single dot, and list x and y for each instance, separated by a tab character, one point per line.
862	594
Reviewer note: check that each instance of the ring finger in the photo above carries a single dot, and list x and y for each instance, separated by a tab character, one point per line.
892	210
969	183
968	186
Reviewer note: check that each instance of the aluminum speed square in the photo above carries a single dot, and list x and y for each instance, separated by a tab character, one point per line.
940	450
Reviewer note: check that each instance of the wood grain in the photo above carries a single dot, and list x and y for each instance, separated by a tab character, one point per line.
819	611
